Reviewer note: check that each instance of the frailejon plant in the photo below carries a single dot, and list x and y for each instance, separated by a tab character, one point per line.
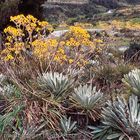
120	120
30	132
88	100
56	84
7	88
67	125
132	80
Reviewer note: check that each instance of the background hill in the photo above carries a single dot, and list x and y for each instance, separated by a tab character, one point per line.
61	10
88	10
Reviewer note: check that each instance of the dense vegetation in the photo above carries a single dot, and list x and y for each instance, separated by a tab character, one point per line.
70	81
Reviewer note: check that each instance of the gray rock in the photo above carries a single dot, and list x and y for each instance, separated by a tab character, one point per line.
123	48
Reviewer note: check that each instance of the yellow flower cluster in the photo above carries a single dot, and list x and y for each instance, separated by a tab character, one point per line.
72	42
114	24
30	34
45	24
30	23
60	56
14	32
132	26
27	30
19	20
43	48
78	36
78	41
79	32
9	50
117	24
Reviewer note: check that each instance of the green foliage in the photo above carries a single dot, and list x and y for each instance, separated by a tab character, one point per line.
8	118
111	73
58	85
10	90
67	125
88	100
132	80
135	20
87	97
30	132
119	120
7	89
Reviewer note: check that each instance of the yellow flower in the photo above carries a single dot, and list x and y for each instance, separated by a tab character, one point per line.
98	41
71	61
9	38
13	31
19	19
7	44
31	18
78	36
9	57
44	47
16	41
43	23
62	43
38	29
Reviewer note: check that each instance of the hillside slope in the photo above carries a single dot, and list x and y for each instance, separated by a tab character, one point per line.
83	10
72	11
57	12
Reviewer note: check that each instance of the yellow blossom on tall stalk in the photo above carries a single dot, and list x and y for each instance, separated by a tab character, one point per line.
29	37
43	48
9	57
14	32
19	20
79	44
27	29
60	56
78	36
